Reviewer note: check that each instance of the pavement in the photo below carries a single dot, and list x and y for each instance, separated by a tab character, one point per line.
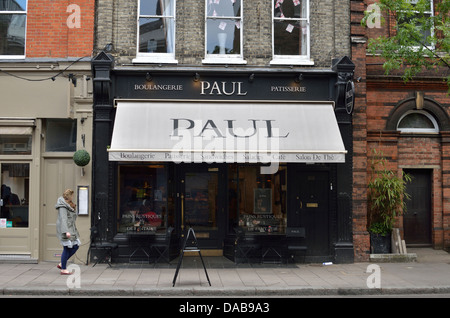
429	274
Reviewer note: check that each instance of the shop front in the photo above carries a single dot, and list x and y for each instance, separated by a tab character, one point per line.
257	164
39	133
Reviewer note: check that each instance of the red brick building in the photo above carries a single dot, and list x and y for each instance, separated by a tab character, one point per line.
60	28
409	123
46	115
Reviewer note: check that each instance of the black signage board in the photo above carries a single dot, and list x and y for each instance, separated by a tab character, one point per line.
220	86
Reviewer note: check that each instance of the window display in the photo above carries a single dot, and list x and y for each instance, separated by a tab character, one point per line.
15	178
259	199
143	199
223	27
290	27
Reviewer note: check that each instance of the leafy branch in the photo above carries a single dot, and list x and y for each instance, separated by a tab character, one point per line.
421	40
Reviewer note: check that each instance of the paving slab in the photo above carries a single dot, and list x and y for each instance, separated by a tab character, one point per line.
429	273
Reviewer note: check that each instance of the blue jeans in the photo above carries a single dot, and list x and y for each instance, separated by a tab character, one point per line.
66	254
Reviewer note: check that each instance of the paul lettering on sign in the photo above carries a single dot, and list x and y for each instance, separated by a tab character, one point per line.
222	88
210	125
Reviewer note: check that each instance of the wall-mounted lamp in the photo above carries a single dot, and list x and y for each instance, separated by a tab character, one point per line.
299	78
108	47
73	79
148	77
251	78
196	77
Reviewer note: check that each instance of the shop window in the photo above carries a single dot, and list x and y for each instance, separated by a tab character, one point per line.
13	20
156	31
15	180
291	32
417	122
257	201
143	199
61	135
223	32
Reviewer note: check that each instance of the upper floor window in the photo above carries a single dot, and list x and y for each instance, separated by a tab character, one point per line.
290	31
224	32
419	16
156	31
417	121
13	20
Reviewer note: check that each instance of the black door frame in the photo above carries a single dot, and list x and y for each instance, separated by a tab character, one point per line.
425	229
295	217
215	239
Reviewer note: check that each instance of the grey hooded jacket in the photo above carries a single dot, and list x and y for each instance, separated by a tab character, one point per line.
66	222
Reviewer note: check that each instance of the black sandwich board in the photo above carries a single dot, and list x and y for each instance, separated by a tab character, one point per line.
189	245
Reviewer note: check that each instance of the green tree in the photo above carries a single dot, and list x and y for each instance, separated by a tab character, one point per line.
422	37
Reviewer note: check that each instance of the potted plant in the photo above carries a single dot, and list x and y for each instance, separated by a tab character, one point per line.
386	201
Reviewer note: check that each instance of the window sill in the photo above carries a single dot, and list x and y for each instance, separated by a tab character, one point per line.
154	60
224	60
418	132
292	61
12	57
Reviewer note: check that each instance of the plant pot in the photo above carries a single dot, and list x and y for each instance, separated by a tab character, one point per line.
380	244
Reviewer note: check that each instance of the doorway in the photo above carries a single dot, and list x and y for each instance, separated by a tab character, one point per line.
417	219
202	203
309	208
59	175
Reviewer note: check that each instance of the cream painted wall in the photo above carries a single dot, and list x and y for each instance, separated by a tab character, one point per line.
50	173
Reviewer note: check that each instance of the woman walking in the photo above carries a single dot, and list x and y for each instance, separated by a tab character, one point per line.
66	229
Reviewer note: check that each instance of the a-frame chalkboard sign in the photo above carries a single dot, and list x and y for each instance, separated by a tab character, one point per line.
189	245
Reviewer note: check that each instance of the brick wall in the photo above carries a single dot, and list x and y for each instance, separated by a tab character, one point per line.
361	240
116	24
377	96
48	34
409	151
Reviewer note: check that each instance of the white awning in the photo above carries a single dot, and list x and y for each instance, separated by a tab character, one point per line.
229	132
